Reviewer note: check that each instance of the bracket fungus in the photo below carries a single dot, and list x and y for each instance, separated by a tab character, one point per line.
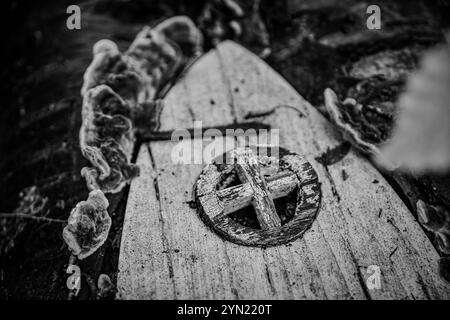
183	32
118	101
118	93
152	58
106	140
106	290
88	225
221	19
114	69
350	119
437	220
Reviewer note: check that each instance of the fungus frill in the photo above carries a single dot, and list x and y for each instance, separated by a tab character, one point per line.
347	116
118	97
153	57
106	140
88	225
181	31
437	220
118	101
105	288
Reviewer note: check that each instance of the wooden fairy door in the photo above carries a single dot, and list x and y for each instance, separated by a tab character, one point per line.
361	228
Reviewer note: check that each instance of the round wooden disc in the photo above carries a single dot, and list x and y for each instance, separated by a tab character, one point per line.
306	203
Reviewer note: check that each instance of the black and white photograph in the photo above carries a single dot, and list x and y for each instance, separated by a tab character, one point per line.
225	154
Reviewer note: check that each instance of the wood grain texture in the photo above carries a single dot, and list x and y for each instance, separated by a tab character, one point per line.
167	252
248	172
240	196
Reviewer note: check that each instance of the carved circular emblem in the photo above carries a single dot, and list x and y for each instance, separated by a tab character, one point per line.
252	197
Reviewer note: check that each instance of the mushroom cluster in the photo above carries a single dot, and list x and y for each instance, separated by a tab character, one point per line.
119	100
118	94
349	117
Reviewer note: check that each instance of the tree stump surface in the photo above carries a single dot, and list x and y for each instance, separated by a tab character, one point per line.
167	252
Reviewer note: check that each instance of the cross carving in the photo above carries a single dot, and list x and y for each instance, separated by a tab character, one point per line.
257	190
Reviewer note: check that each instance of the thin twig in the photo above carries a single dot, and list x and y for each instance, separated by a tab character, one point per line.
266	113
27	216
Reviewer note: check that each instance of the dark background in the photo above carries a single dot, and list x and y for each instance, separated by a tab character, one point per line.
314	44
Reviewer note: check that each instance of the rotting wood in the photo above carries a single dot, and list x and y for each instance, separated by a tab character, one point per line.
214	210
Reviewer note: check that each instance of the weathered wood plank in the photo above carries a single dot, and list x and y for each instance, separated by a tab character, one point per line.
193	275
168	252
200	96
151	235
248	171
241	196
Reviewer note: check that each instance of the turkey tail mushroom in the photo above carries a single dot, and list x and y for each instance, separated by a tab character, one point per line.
106	290
152	58
107	140
118	90
181	30
118	93
340	114
88	225
332	105
437	220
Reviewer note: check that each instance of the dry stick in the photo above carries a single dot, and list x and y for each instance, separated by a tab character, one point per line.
268	112
27	216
